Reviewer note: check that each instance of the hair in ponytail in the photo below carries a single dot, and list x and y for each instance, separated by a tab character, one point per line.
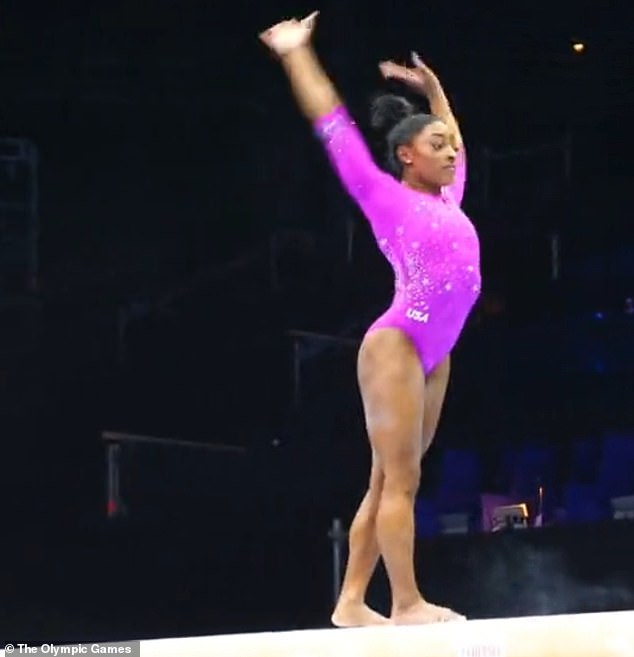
399	122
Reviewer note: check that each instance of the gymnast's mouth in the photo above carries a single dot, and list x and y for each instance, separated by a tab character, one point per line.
450	167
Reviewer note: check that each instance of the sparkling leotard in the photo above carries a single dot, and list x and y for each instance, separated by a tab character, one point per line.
431	244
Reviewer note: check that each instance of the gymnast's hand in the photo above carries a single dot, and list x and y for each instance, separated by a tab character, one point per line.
289	35
419	77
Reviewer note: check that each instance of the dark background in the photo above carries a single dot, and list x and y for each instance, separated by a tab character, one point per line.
188	220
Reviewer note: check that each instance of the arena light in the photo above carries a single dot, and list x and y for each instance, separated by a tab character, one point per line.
513	516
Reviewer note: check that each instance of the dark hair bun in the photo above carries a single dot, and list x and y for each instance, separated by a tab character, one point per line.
388	110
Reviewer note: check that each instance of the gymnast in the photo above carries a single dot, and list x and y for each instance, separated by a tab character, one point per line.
404	359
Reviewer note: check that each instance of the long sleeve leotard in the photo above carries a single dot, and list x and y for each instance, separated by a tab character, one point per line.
430	243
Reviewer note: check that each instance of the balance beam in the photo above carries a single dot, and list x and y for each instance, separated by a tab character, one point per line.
580	635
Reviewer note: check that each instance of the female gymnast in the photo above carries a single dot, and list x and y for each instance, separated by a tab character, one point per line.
403	361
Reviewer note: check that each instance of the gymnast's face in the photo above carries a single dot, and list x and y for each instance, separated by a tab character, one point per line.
429	160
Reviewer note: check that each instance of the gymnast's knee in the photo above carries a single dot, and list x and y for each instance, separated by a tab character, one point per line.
402	479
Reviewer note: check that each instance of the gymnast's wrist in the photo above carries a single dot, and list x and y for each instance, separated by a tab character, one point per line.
295	55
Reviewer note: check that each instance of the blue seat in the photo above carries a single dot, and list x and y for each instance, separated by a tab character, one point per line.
459	481
584	460
582	504
533	467
615	476
459	485
426	518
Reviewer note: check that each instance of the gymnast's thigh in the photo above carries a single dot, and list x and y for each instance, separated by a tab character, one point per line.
392	384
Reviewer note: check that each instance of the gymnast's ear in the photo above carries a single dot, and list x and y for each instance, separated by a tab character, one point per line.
404	154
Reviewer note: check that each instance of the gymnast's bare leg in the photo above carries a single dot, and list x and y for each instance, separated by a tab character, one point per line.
351	609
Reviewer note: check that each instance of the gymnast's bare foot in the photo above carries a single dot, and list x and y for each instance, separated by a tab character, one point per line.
356	614
421	613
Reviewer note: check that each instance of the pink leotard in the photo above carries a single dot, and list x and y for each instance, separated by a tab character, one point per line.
431	244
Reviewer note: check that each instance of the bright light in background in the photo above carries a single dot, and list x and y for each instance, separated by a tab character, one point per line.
578	47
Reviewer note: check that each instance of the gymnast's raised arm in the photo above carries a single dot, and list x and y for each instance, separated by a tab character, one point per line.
321	105
422	80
